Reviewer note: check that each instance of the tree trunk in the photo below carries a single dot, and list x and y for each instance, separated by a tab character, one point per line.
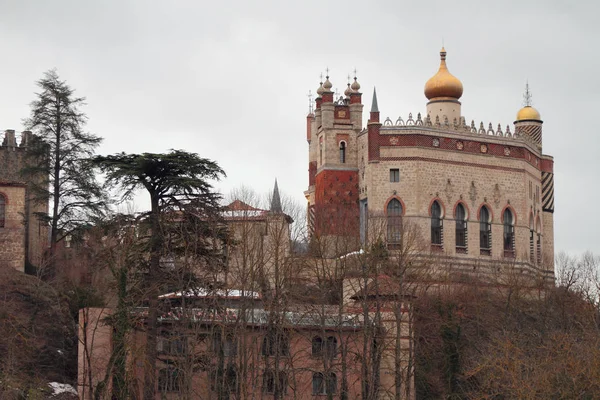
153	292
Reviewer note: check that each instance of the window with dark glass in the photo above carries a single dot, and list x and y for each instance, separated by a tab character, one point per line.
324	346
224	343
169	379
531	240
461	228
394	175
509	234
485	231
436	224
2	211
171	343
223	381
394	221
275	343
342	152
539	246
323	384
274	383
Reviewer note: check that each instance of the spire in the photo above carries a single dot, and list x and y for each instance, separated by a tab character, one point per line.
374	106
276	200
527	96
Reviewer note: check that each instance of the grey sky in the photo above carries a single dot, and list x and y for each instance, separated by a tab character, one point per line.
229	79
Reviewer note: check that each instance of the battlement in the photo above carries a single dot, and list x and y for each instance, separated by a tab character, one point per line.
458	127
11	139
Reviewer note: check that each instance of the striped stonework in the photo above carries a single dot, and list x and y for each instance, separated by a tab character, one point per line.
548	192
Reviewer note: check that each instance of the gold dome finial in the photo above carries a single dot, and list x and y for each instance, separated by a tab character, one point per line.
528	112
443	84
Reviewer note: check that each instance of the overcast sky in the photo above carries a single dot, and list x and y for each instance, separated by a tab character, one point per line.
229	79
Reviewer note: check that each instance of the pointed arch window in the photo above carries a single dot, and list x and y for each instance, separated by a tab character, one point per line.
2	211
509	234
461	229
531	240
342	152
394	222
485	232
437	226
539	243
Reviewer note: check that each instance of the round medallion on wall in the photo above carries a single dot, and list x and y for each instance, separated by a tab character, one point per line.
460	145
436	142
484	148
506	151
394	140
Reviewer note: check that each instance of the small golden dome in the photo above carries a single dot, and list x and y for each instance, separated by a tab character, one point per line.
327	85
528	112
443	84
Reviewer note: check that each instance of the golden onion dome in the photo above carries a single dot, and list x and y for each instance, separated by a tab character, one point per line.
327	85
443	84
528	112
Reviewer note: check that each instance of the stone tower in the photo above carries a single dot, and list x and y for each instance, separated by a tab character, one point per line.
333	165
22	236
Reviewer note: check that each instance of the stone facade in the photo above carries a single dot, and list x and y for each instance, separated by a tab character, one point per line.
12	234
33	234
437	158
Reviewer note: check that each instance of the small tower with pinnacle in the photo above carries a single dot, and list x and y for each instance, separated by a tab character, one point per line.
332	134
529	122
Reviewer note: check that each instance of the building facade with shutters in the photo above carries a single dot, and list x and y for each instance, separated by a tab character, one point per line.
481	196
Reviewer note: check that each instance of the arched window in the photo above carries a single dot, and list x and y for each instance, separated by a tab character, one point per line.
436	225
331	347
394	222
324	384
539	242
342	152
317	346
321	153
2	211
531	239
324	347
275	343
461	229
509	234
273	384
485	232
169	379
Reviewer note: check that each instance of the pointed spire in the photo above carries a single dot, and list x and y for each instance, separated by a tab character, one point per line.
374	106
276	200
527	96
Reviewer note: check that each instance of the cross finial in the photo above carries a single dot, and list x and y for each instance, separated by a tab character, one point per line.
321	76
355	72
310	102
527	96
327	72
348	78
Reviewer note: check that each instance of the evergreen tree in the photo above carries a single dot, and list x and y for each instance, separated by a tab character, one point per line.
180	194
59	160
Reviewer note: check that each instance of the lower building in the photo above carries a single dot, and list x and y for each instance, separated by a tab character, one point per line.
230	344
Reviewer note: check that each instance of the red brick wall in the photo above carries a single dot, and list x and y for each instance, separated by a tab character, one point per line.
336	202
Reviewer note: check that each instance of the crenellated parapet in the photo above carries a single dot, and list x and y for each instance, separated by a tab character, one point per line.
456	126
11	139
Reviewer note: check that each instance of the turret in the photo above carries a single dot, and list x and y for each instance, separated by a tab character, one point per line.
443	91
529	121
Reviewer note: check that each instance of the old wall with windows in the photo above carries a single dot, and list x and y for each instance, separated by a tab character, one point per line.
470	180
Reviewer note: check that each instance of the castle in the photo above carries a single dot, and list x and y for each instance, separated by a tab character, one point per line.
22	235
482	196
